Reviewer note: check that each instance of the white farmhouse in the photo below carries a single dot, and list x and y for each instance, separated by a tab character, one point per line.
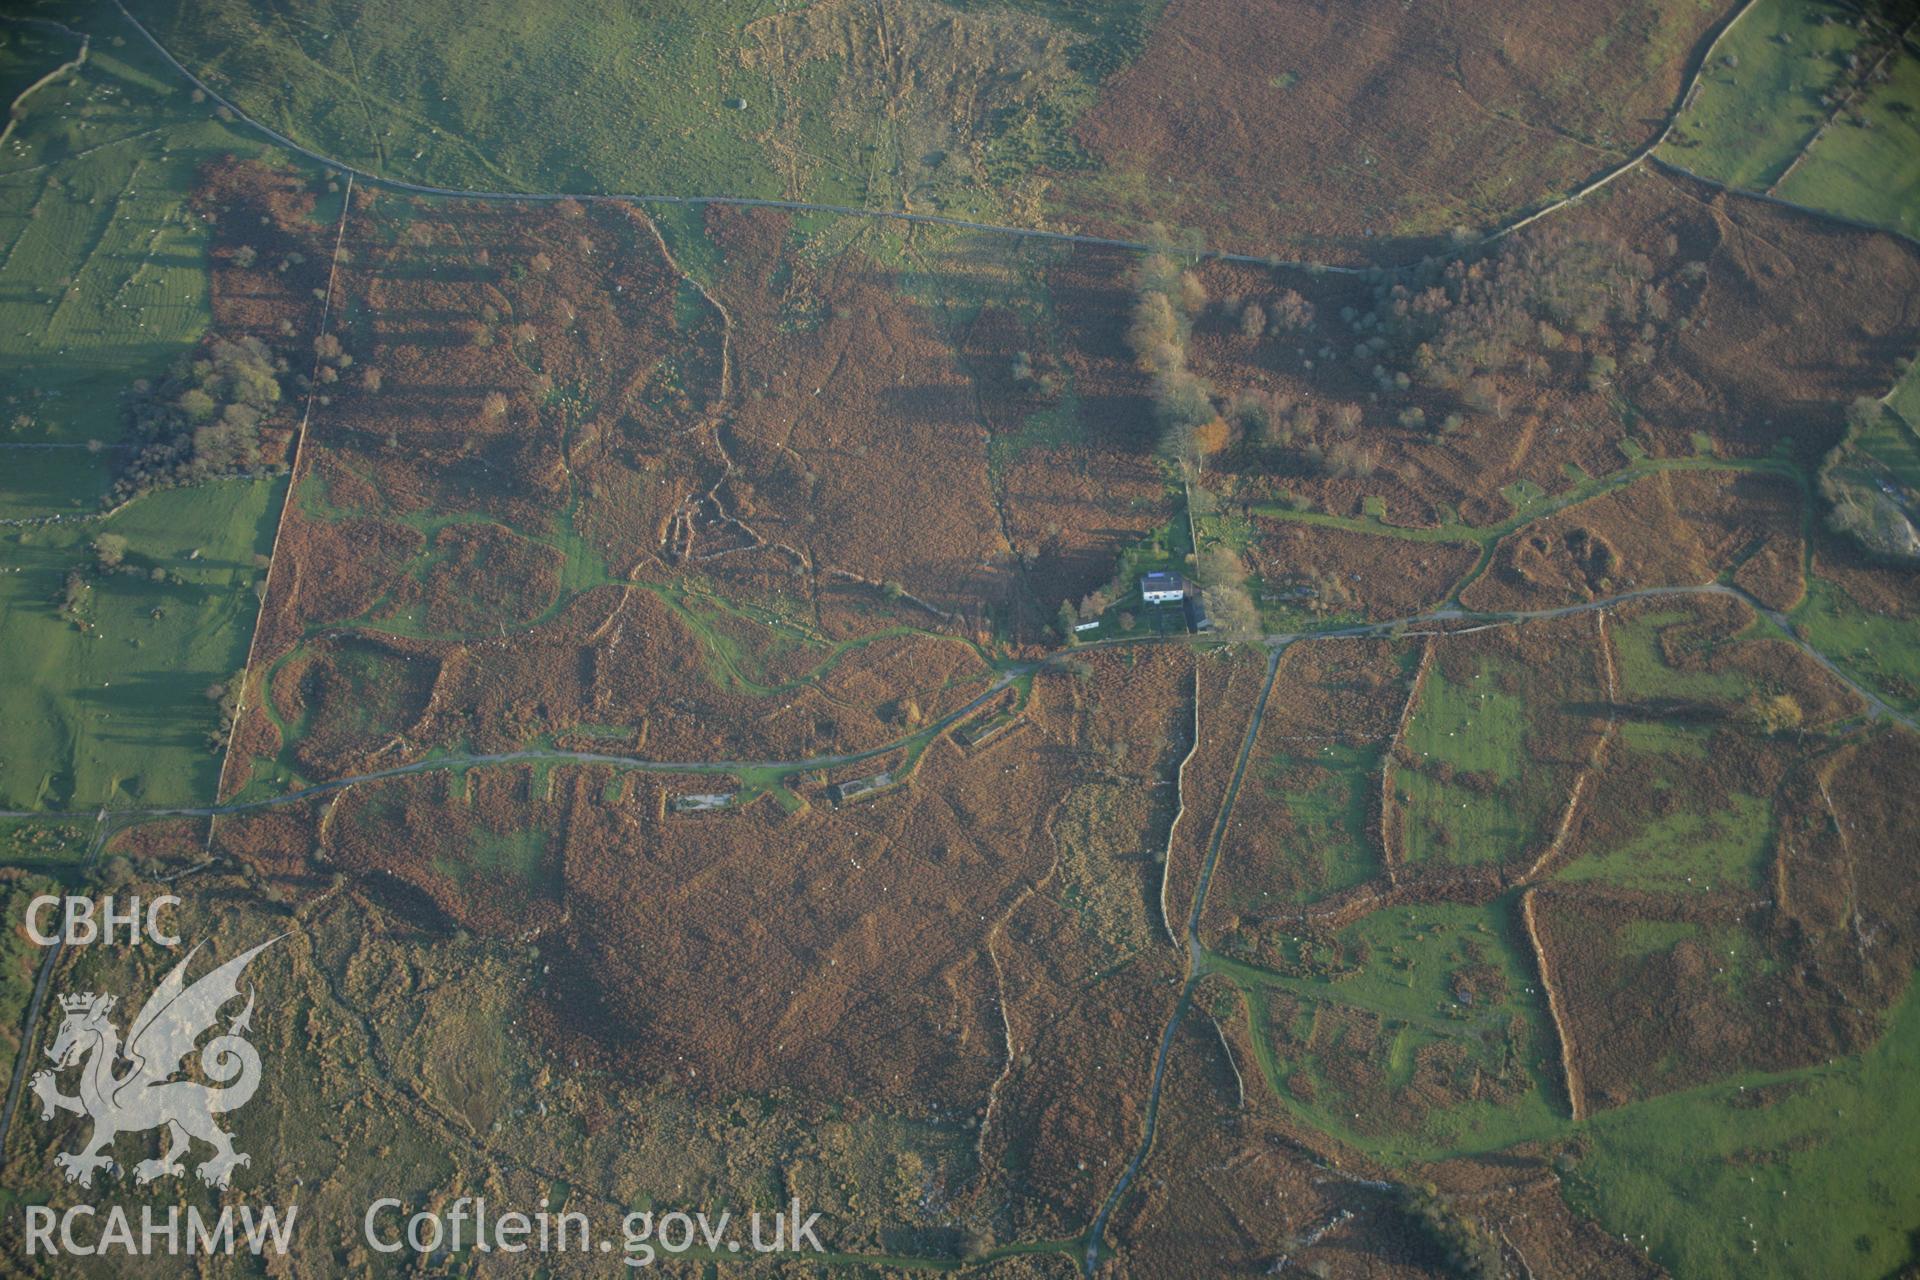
1161	587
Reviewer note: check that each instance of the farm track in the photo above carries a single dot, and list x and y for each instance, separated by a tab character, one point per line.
17	109
1488	537
1391	855
1646	151
543	755
1551	853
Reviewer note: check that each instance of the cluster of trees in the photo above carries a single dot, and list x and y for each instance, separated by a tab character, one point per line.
1287	313
1547	303
110	552
246	257
1041	378
1278	422
1191	427
331	362
1103	597
203	419
1455	326
1551	303
1222	575
1328	594
226	697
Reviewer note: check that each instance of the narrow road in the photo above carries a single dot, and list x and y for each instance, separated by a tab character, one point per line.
1646	152
546	755
746	202
36	1004
1877	707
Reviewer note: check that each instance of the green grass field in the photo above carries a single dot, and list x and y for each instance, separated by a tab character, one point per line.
1478	730
103	281
1687	852
1881	651
1330	814
510	855
1747	121
118	713
1906	396
1413	950
69	482
1665	738
1472	726
1893	440
1870	171
495	95
102	267
1808	1174
1416	960
1800	1174
27	53
1645	673
1750	121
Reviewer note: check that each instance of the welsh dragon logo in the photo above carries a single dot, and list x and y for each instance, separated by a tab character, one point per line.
145	1095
